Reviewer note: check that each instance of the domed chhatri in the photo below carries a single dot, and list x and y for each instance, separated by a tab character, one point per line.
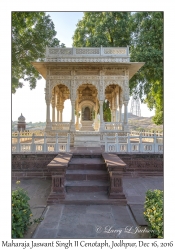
88	77
21	118
21	123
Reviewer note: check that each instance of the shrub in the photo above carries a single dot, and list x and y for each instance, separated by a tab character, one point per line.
21	212
153	212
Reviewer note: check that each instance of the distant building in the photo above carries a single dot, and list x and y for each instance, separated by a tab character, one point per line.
21	125
135	106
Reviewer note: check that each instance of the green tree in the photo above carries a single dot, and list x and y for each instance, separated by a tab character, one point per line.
143	32
31	33
108	29
147	46
106	111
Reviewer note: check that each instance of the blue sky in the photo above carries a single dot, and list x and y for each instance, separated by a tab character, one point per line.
65	24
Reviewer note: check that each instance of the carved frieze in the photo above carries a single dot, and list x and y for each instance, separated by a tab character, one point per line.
88	59
84	77
60	77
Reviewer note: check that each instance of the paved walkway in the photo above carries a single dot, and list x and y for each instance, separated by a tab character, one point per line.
90	221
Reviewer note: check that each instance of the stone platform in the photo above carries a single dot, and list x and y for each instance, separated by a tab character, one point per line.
87	126
89	221
86	174
87	139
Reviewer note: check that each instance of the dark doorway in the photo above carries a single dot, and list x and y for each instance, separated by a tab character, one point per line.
87	114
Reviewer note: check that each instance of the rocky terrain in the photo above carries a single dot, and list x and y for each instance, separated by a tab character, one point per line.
143	123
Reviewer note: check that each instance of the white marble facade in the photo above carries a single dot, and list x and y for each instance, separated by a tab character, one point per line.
88	77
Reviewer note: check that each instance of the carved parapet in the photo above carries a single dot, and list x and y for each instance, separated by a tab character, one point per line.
57	167
115	167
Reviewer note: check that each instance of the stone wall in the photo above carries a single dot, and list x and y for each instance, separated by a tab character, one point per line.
25	166
143	164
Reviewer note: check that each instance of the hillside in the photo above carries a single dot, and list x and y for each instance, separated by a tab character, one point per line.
143	123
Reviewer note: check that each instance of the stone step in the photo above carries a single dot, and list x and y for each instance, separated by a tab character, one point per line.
86	198
87	155
87	175
76	166
86	186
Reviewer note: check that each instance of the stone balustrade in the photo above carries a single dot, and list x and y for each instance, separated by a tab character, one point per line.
28	132
134	144
82	51
40	144
146	133
60	126
119	54
113	126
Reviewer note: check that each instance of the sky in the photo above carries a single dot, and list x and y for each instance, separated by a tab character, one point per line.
65	24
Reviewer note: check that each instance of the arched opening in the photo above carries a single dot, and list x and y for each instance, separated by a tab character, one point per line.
67	110
86	114
60	94
114	101
87	106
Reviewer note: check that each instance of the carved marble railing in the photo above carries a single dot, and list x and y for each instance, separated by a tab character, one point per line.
30	132
146	133
39	144
113	126
60	125
118	53
134	144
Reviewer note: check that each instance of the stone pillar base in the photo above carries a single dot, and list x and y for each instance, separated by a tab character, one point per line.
101	127
77	126
126	128
72	127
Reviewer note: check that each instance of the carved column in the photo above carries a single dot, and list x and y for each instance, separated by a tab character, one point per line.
53	106
73	111
101	116
73	116
95	120
53	112
96	124
61	115
77	115
58	106
58	114
48	121
120	113
101	111
125	112
116	111
77	120
120	104
48	111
